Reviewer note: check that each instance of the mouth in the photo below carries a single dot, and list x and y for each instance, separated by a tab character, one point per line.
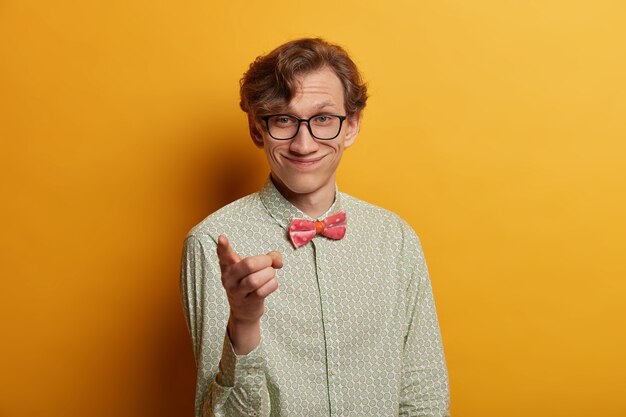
304	163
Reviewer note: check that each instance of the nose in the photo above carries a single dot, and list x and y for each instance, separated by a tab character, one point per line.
303	143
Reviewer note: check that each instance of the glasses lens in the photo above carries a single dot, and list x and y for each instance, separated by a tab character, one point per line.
282	126
325	126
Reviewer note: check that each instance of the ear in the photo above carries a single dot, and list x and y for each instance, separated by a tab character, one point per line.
353	124
255	132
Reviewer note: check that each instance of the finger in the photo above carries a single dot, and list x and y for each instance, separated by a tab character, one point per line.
226	255
256	280
268	288
277	259
251	264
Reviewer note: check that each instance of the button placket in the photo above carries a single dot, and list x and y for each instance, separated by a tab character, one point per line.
328	310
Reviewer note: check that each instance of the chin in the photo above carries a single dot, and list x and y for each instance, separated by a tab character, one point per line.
302	187
301	184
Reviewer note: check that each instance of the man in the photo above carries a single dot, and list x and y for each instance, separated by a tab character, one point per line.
352	328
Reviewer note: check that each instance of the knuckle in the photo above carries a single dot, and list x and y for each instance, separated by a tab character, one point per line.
257	279
248	264
253	281
267	289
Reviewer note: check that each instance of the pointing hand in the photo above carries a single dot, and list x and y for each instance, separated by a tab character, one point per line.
247	282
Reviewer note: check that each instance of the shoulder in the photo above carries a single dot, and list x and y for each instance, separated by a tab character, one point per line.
377	220
233	216
381	234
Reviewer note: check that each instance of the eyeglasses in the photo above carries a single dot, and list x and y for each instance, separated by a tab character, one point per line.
287	126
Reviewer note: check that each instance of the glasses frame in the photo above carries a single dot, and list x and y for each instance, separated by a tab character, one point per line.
308	125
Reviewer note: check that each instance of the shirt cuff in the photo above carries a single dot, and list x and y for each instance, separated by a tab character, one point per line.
247	370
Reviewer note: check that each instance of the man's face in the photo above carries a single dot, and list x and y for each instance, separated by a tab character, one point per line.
305	165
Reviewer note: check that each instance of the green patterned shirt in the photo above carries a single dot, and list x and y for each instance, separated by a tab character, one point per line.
351	331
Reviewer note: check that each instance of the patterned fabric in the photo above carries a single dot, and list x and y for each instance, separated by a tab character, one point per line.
351	331
301	231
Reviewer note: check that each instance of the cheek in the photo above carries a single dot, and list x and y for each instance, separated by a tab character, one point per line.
336	150
272	151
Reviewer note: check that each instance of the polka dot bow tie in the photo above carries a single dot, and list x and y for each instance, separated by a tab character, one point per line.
301	231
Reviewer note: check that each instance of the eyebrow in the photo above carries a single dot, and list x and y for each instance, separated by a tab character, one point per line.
318	106
325	104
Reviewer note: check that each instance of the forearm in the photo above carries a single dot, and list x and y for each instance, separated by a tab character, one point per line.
240	386
425	392
425	389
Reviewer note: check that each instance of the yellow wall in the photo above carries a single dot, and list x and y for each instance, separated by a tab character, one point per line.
496	128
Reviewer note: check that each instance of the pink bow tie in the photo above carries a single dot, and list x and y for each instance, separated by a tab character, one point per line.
301	231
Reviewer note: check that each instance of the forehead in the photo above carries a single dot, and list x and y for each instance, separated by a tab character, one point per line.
318	90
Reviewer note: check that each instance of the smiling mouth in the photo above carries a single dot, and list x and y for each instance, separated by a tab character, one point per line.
303	163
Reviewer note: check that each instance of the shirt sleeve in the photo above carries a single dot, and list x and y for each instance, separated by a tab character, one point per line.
424	387
227	384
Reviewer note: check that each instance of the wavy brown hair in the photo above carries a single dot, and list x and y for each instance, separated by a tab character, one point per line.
270	82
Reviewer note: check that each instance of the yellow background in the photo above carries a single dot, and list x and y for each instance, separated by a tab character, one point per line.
496	128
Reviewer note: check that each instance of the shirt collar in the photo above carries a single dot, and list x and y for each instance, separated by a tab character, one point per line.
281	210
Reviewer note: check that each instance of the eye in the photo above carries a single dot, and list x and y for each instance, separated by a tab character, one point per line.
323	119
282	120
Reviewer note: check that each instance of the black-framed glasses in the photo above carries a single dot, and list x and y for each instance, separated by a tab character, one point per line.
287	126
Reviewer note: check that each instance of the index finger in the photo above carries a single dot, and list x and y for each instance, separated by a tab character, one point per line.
225	253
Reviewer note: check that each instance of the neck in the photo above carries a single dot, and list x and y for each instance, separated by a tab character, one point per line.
313	204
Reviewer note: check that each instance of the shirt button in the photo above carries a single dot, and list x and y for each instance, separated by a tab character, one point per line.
333	372
320	268
250	370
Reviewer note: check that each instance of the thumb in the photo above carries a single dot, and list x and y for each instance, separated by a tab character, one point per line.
226	255
277	259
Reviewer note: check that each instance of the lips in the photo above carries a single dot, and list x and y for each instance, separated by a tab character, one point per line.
304	163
